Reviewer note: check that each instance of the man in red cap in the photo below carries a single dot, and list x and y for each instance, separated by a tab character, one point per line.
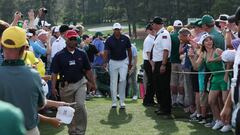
74	69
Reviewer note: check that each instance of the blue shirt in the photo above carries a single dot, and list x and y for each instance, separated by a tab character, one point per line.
187	63
117	47
98	60
71	66
38	48
134	53
1	55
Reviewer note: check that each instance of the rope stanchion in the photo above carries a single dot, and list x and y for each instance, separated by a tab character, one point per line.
221	71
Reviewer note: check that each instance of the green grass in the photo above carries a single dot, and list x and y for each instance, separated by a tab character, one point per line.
135	120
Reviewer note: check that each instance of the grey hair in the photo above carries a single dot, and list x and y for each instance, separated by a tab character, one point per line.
184	31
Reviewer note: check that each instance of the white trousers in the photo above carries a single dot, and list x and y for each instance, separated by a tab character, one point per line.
118	68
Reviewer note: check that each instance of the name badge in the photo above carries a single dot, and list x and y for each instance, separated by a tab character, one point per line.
72	62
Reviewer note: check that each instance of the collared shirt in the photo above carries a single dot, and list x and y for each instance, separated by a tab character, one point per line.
161	43
175	48
218	39
98	60
71	66
91	50
58	45
118	47
26	93
147	46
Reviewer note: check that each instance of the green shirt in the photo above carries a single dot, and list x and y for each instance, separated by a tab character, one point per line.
218	39
175	48
21	86
11	120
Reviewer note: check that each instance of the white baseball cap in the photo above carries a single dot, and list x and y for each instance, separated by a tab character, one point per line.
117	26
178	23
65	114
42	32
228	55
203	37
56	29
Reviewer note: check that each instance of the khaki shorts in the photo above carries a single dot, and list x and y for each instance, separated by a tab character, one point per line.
176	79
203	99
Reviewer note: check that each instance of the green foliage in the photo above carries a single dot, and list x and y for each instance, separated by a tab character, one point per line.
6	12
109	11
223	6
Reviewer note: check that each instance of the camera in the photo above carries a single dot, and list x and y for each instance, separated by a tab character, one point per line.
20	14
44	10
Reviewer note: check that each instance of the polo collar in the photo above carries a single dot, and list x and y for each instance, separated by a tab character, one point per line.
18	62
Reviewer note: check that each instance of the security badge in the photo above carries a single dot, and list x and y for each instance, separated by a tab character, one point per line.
72	62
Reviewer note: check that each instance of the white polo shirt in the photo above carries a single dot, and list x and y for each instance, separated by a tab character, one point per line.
147	46
58	45
161	43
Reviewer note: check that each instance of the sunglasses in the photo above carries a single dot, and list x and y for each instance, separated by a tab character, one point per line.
116	29
73	39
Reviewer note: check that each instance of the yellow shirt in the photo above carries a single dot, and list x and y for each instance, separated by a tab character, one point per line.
30	60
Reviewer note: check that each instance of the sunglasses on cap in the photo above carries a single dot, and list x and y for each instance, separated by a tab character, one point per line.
73	39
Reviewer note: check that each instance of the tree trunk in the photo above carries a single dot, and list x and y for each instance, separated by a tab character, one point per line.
129	29
134	30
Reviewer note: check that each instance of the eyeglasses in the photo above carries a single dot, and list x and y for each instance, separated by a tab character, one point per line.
73	39
116	29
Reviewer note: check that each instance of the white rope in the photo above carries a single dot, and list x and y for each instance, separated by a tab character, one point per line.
221	71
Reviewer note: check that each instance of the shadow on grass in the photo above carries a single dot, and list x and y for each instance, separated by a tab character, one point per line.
116	119
165	126
47	129
199	129
131	101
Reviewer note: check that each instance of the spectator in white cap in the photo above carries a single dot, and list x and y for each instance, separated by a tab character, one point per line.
55	34
116	47
176	83
177	23
59	44
38	41
222	20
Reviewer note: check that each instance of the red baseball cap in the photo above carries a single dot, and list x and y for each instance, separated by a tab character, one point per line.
71	33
